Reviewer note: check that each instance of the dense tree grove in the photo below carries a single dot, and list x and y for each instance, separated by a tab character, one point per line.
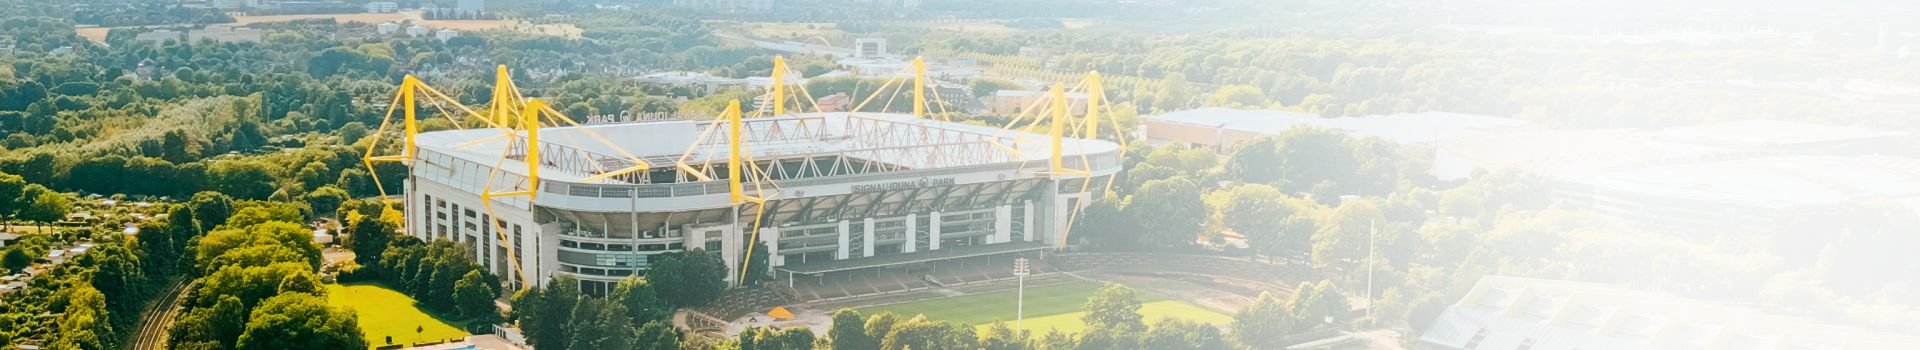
258	286
559	316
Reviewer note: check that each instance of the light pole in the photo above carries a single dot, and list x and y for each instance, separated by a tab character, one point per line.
1020	271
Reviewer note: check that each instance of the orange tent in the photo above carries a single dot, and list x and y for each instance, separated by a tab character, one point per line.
780	313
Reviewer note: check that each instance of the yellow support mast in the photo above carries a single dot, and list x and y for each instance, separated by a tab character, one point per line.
1095	98
530	123
736	188
919	87
1058	127
502	105
411	123
733	152
779	99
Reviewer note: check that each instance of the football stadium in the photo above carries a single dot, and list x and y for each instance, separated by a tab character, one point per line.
823	196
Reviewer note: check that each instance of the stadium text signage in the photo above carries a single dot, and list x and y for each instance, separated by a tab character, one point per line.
902	185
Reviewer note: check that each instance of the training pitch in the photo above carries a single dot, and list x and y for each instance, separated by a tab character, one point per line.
386	312
1049	307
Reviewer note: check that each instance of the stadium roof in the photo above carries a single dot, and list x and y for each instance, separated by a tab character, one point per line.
888	138
1770	182
915	257
1563	152
1507	312
1771	133
1404	128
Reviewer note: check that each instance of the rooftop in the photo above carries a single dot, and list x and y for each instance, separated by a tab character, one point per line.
1771	133
1772	182
1404	128
1563	152
893	139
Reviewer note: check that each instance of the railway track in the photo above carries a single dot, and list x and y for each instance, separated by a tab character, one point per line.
155	320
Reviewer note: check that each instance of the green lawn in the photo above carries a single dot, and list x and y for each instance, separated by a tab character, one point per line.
1048	307
386	312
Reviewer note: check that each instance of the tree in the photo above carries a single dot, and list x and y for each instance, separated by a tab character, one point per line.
242	179
174	147
276	235
1169	213
15	259
1001	337
545	313
849	332
1114	306
642	301
1264	324
11	188
117	274
983	87
1237	96
326	199
1175	334
211	209
83	323
1272	222
1316	304
369	238
599	324
758	338
1102	225
300	321
216	327
47	205
474	298
1343	236
253	284
657	335
881	324
698	277
920	333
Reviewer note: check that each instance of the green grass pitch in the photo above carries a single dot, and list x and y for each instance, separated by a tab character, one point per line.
386	312
1048	307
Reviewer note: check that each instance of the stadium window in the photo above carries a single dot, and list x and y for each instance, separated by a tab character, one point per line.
620	247
713	246
569	244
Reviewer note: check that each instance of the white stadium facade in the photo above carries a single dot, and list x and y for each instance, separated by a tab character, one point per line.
844	194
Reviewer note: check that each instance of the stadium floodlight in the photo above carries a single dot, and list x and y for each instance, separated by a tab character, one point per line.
1020	270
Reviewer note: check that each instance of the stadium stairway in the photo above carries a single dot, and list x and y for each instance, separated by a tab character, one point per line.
737	303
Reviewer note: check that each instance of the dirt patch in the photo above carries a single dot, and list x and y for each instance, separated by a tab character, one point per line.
369	18
97	34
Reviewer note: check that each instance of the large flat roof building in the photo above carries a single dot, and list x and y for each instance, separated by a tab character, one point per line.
1222	128
845	192
1749	195
1512	313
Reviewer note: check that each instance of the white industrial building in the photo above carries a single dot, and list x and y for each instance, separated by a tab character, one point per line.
383	7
